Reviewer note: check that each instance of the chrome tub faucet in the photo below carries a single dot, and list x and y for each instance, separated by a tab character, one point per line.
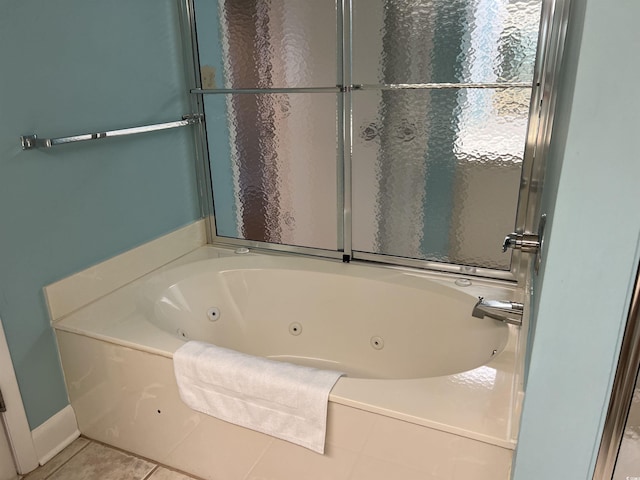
505	311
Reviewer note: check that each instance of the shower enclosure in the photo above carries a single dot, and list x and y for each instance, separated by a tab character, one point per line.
409	132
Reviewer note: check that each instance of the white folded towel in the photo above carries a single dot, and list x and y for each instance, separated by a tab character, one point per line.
277	398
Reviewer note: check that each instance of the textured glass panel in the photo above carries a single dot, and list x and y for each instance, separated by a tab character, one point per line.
451	41
436	172
267	43
273	158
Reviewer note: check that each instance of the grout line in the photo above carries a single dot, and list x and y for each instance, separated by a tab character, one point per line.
260	457
181	472
55	470
156	464
153	470
121	450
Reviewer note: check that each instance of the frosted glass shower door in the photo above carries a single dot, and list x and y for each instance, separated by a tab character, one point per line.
270	68
387	130
439	124
278	182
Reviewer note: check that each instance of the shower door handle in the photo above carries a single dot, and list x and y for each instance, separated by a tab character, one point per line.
526	242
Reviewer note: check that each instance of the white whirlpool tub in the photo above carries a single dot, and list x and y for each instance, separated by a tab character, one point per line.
430	392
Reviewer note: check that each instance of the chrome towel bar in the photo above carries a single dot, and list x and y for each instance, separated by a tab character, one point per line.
32	141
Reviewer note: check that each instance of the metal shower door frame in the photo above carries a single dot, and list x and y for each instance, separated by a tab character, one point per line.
554	19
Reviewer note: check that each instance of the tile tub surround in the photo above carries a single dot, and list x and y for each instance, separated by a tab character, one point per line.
139	410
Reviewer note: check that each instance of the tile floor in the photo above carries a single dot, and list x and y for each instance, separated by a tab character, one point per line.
85	459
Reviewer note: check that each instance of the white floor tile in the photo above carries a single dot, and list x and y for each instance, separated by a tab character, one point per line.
98	462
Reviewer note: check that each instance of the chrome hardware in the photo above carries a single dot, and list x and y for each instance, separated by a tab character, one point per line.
432	86
528	242
350	88
32	141
505	311
254	91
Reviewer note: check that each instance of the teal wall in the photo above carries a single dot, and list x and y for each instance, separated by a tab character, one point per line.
77	66
592	196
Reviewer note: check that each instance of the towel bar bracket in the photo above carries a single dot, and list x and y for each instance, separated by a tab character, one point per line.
29	141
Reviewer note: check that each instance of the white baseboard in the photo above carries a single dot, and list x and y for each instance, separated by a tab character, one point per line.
55	434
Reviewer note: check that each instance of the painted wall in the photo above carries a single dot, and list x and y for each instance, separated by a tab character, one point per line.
78	66
592	196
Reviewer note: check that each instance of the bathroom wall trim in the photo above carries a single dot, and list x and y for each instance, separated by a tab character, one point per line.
55	434
15	418
82	288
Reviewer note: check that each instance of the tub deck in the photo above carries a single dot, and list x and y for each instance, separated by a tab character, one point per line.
482	404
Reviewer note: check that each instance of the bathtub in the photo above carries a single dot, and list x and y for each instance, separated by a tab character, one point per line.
429	392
